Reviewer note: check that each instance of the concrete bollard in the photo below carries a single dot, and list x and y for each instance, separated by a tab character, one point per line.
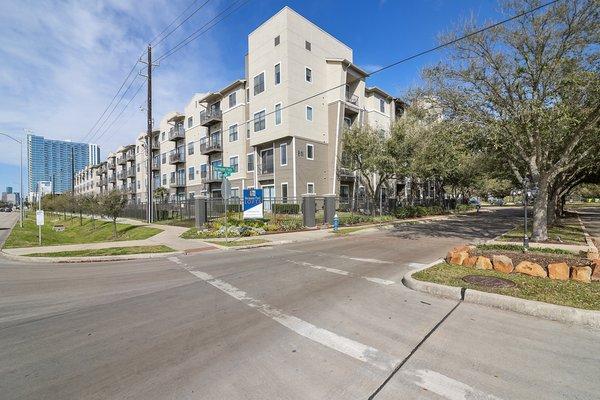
201	212
308	210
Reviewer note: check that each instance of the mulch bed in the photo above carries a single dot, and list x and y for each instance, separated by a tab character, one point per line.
538	258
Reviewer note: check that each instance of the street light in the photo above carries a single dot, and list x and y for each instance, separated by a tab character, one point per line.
20	177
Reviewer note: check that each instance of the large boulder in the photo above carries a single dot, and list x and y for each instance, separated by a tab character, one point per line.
581	274
483	263
502	264
531	269
596	273
559	271
470	261
456	257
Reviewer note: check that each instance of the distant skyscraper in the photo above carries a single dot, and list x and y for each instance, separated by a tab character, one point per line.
94	156
54	161
9	189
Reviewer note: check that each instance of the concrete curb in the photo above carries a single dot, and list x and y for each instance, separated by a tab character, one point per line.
63	260
522	306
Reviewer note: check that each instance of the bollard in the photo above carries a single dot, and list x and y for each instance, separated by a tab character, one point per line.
201	212
329	209
308	210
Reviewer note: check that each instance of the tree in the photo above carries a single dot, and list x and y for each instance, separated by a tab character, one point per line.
112	204
92	206
531	88
161	193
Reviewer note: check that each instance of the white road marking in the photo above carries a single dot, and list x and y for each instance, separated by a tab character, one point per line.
415	265
379	281
322	336
175	260
368	260
446	387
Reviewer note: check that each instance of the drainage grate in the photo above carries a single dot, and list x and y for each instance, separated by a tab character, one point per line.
488	281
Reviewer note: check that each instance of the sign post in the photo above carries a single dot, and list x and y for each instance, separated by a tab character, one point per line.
225	189
39	221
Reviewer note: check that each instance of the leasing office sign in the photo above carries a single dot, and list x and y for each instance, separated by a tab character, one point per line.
253	203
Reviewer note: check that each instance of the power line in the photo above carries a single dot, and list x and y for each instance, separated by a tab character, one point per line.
203	29
181	23
173	21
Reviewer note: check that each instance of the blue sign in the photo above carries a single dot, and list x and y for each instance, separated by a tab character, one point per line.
253	203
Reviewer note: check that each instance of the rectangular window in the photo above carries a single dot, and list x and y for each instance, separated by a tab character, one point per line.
284	192
310	152
190	122
307	45
233	133
233	162
277	74
283	154
277	113
381	105
163	158
235	193
190	148
164	179
173	176
232	100
310	188
191	173
277	40
248	133
250	162
259	83
308	74
203	170
309	113
259	121
162	136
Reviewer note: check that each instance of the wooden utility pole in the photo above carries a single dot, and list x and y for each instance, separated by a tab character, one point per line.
149	208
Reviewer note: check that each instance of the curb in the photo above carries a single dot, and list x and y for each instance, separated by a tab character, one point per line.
522	306
66	260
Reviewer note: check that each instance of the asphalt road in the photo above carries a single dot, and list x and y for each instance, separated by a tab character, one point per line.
314	320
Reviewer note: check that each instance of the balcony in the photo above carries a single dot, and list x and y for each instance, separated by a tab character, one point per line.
111	164
121	175
101	182
131	172
211	117
155	145
156	164
265	168
130	156
121	160
210	176
345	174
212	145
352	99
112	179
177	133
177	157
178	182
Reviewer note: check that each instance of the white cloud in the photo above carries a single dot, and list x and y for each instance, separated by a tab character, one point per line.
62	61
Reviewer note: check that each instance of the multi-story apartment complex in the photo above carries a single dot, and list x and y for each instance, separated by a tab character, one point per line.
280	127
55	160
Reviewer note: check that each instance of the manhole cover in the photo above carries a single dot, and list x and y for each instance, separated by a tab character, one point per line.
489	281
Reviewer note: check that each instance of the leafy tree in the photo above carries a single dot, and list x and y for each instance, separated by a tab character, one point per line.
161	193
531	88
112	204
92	206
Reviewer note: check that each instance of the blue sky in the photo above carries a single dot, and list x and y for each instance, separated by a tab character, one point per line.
62	61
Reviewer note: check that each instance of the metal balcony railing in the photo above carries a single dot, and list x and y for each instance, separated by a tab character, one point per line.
131	172
211	117
210	175
121	160
352	99
111	164
265	168
177	132
130	155
179	181
177	157
211	145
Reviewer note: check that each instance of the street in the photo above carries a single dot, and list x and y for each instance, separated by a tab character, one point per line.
326	319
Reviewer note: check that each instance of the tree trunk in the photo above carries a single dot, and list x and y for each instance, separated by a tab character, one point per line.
80	219
115	227
552	207
540	212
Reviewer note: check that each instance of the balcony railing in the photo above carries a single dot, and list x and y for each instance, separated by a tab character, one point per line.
179	181
265	168
111	164
345	174
210	175
176	133
352	99
211	145
112	179
121	175
121	160
130	155
155	145
211	117
156	164
131	172
177	157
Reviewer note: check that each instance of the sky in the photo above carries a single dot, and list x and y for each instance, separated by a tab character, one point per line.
62	61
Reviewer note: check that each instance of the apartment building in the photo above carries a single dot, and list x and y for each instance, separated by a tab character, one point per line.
270	125
87	181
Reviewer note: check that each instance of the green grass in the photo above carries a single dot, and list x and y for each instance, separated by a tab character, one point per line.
186	223
565	293
346	231
240	242
74	234
111	251
569	231
514	247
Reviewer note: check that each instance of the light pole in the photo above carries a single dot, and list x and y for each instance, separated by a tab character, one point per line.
20	177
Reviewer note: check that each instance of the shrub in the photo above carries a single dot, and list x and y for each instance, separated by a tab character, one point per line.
291	224
464	207
286	208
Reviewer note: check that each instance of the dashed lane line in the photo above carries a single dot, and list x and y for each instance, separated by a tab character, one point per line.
378	281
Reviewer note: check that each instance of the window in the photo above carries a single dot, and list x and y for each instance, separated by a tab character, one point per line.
310	151
190	148
381	105
310	188
233	133
248	133
163	158
247	95
191	173
173	176
232	100
138	184
190	122
234	192
259	121
284	192
283	154
233	162
277	40
162	136
138	167
309	113
203	170
308	74
307	45
259	83
164	179
277	73
277	113
250	162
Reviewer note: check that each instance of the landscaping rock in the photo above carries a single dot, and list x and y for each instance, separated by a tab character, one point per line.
470	261
463	248
593	255
596	273
502	264
457	257
531	269
483	263
581	274
559	271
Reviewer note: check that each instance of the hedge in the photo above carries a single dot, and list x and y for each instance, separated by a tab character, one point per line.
286	208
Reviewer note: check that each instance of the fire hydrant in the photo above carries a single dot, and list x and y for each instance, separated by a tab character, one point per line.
336	222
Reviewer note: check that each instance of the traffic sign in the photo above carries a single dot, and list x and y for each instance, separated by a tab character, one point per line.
39	217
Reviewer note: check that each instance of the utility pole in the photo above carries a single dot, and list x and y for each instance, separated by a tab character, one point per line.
149	207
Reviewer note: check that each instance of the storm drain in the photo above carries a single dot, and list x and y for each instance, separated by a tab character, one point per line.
489	281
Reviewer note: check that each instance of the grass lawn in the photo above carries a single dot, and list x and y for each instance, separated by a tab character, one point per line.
569	231
186	223
238	242
111	251
345	231
513	247
73	233
565	293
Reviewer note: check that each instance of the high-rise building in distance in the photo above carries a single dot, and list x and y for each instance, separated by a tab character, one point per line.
55	161
94	154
